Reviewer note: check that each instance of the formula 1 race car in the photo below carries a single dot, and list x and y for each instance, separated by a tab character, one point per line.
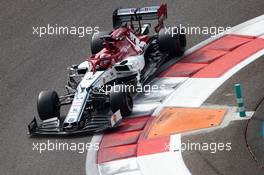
99	89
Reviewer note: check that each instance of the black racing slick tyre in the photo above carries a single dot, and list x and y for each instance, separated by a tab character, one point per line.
48	105
97	42
116	20
172	41
121	99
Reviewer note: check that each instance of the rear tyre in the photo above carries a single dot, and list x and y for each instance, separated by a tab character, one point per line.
97	42
116	20
121	99
172	42
48	105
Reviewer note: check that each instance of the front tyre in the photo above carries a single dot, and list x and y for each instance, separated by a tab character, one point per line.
172	41
121	99
48	105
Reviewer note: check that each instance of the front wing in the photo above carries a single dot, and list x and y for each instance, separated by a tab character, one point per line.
54	127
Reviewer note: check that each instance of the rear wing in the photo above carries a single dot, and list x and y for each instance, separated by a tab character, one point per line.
134	14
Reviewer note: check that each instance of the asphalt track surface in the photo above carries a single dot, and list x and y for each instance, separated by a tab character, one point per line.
29	64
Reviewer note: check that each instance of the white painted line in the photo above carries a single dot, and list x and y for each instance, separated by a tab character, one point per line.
192	93
170	82
175	143
130	173
255	29
144	108
119	166
167	163
91	168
